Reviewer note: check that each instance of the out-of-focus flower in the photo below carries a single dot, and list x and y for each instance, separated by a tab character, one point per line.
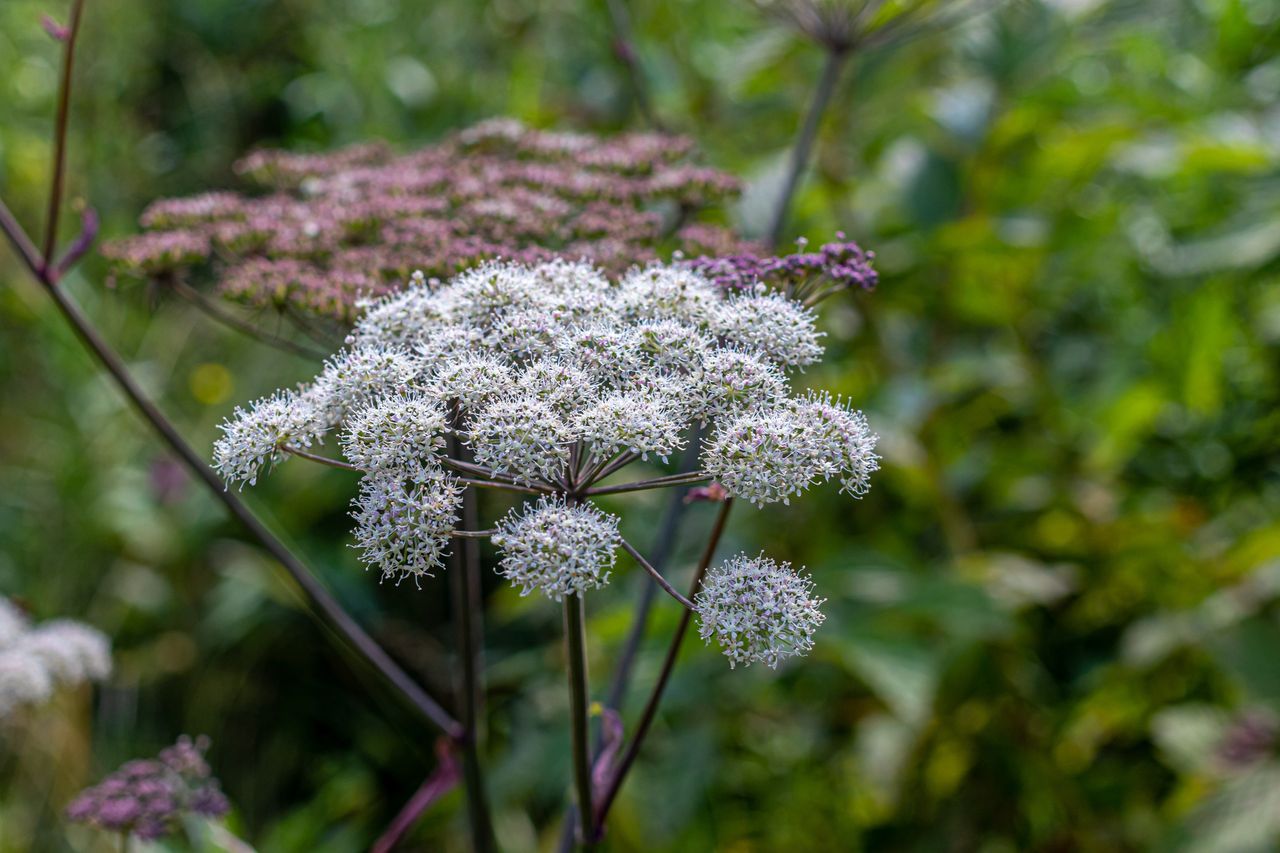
35	661
332	228
150	798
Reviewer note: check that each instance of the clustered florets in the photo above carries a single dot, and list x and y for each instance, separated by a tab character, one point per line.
150	798
322	230
557	548
34	661
551	377
758	610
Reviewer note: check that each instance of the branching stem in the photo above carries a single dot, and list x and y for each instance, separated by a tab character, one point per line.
606	799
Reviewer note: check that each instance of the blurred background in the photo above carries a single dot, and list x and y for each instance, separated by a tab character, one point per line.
1052	625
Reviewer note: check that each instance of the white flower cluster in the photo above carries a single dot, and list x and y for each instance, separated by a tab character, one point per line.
557	548
758	610
552	376
35	661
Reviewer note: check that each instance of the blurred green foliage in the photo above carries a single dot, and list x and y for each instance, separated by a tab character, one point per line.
1055	600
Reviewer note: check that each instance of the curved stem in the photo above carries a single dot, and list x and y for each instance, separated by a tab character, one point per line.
575	642
60	135
606	799
655	574
803	147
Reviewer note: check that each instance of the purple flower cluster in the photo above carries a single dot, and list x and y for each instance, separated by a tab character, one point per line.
803	275
149	797
325	230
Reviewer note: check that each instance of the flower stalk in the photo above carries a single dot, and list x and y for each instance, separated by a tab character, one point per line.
576	654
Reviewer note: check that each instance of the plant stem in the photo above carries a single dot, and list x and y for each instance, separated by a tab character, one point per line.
60	134
226	318
605	802
624	48
656	483
465	556
330	610
575	642
495	484
655	574
439	783
803	147
322	460
663	545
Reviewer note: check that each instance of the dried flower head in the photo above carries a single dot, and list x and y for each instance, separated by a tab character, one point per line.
758	610
557	548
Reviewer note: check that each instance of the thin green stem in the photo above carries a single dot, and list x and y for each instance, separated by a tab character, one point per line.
575	642
836	59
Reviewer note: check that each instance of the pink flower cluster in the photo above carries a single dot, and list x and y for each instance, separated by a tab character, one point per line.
149	798
325	230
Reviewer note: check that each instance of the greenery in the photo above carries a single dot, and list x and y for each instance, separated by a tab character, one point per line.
1059	595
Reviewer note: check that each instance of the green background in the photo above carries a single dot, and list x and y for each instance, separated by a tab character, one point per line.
1059	591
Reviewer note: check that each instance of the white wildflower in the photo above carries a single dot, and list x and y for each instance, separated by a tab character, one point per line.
473	380
357	375
562	385
404	520
522	437
557	548
72	652
841	442
23	681
762	457
758	610
662	293
779	328
394	432
252	439
732	381
632	422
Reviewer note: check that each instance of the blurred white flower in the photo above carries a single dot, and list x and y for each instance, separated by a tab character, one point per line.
36	661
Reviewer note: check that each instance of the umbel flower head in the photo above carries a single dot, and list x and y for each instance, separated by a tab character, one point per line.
758	610
557	548
548	379
150	798
324	230
37	660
